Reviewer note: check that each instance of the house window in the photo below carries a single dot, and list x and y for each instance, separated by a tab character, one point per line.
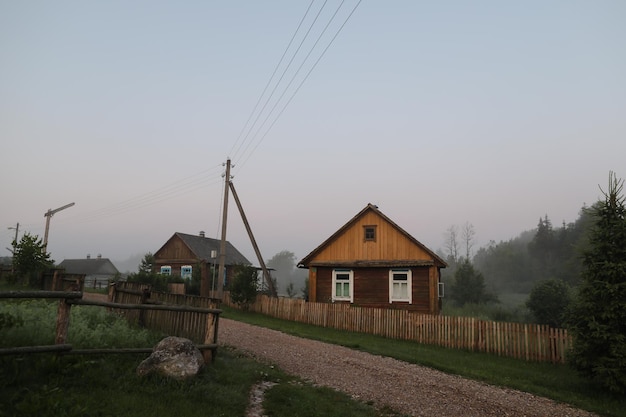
185	271
343	283
369	233
166	270
400	285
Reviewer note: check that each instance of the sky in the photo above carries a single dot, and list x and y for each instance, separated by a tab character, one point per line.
440	113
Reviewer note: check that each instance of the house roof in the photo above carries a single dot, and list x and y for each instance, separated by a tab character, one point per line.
89	266
306	261
202	246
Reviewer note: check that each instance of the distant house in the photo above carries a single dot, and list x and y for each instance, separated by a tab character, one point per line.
98	271
183	253
371	261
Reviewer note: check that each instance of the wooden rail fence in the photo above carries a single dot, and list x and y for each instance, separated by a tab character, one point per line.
199	324
529	342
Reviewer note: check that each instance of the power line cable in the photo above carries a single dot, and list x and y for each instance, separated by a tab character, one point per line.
270	80
282	76
302	82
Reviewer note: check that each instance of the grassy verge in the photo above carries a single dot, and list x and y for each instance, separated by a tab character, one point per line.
48	385
558	382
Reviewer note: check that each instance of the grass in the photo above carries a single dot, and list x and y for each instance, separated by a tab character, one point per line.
558	382
49	385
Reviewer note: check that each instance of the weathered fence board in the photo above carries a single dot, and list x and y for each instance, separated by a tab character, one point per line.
530	342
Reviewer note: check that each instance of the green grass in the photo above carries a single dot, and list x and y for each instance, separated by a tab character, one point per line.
49	385
558	382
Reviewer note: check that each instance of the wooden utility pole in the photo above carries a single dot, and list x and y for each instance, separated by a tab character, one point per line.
266	274
220	271
48	215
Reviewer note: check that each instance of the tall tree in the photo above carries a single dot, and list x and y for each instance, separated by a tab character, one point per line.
451	244
469	233
469	286
30	259
598	320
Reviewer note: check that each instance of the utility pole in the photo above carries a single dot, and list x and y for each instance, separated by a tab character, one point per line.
17	229
266	274
220	271
49	215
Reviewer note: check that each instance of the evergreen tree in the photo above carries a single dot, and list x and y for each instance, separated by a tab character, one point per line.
30	259
469	286
598	320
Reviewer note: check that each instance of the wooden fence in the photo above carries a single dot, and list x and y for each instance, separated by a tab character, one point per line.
188	321
530	342
171	319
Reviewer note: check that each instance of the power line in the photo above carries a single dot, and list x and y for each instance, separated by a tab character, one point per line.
301	83
270	80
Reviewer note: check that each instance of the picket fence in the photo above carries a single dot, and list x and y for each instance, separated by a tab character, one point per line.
530	342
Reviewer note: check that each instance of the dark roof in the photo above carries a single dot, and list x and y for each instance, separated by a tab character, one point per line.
89	266
202	246
370	207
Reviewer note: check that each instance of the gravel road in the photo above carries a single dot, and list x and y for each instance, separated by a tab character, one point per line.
410	389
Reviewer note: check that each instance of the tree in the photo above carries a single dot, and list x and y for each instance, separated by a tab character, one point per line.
469	286
451	244
30	259
468	233
598	319
243	287
145	267
548	301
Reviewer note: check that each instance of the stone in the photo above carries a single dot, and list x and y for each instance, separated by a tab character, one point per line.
174	357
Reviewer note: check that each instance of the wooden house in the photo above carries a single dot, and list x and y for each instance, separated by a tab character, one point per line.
371	261
183	253
98	271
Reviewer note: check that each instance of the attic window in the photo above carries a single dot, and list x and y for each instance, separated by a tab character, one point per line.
369	233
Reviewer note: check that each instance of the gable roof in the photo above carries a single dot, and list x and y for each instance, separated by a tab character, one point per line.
202	246
89	266
370	207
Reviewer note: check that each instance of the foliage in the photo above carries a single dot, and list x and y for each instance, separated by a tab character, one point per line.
146	275
469	286
540	254
558	382
549	301
305	290
32	322
30	259
598	320
243	287
286	273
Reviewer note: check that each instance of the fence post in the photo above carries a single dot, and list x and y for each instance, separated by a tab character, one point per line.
210	336
145	294
63	322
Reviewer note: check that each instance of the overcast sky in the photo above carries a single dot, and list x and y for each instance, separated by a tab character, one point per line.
440	112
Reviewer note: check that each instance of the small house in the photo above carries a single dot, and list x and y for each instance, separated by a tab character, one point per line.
98	271
373	262
183	253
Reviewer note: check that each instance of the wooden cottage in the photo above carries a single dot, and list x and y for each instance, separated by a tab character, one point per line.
183	253
98	271
373	262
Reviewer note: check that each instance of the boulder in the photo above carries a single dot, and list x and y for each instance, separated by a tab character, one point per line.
174	357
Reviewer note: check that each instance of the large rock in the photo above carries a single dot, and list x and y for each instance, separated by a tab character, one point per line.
175	357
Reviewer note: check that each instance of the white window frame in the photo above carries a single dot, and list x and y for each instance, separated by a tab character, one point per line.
166	270
184	274
350	281
408	281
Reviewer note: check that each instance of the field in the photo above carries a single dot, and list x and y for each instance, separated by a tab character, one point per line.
50	385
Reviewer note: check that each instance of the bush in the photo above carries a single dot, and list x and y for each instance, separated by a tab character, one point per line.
549	301
243	288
